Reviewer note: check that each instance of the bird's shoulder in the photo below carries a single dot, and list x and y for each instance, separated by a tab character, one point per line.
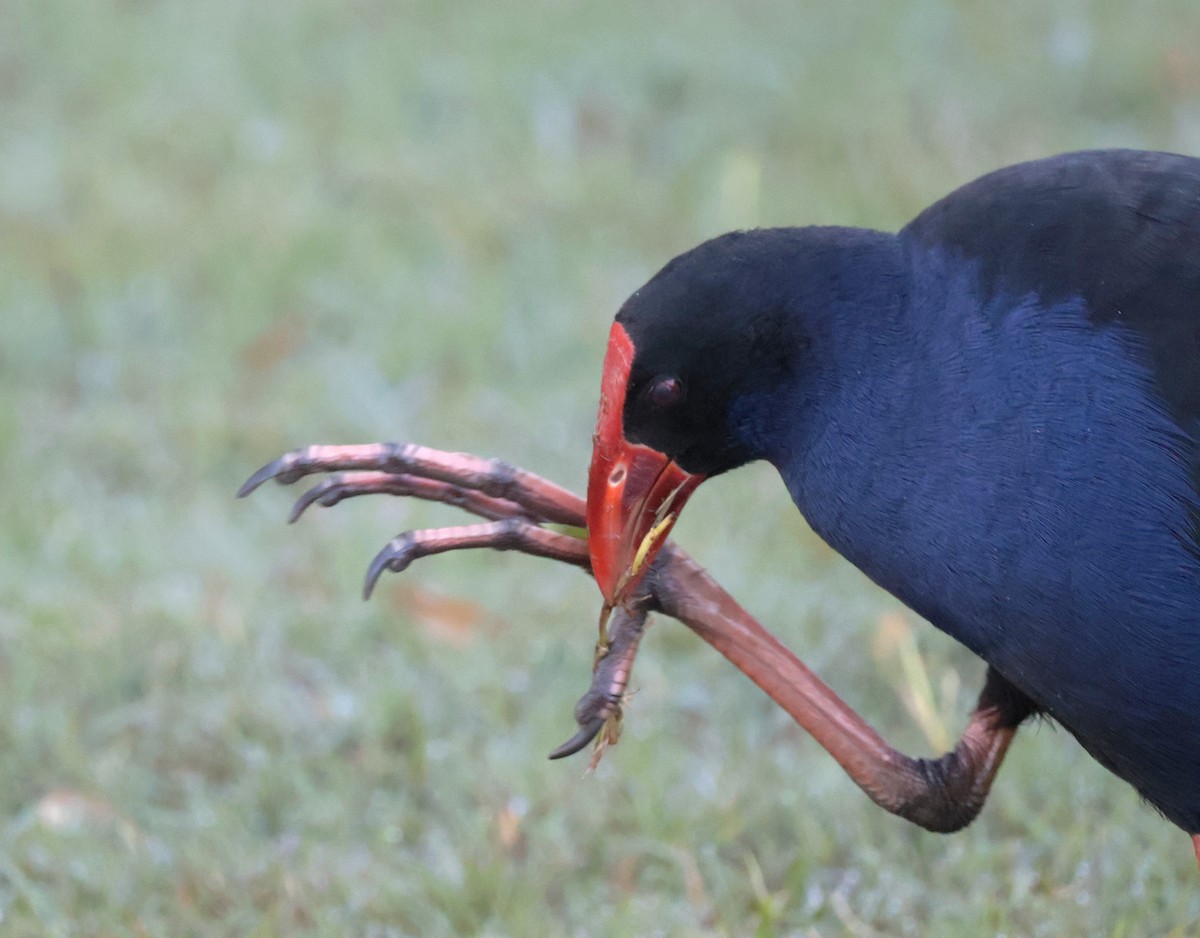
1118	230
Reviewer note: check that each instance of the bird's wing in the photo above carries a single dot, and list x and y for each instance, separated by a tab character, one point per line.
1118	229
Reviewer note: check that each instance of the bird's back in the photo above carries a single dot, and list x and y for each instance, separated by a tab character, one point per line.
1118	229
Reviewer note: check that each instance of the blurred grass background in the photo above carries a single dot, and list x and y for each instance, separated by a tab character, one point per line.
228	229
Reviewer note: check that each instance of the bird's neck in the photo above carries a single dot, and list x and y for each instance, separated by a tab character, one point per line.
851	290
879	449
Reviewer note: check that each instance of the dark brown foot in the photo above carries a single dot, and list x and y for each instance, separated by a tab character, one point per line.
946	794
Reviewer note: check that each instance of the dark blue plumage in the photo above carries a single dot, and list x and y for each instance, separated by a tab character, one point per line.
994	413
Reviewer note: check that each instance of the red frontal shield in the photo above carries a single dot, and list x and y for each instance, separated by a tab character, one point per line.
635	493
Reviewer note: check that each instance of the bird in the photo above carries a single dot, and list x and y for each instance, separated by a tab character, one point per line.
993	413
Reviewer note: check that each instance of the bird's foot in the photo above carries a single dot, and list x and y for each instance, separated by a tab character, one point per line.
599	711
515	503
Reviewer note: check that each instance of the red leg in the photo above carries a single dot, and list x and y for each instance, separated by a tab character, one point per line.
1196	846
942	794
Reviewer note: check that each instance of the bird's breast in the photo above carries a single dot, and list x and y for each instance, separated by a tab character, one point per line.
1010	474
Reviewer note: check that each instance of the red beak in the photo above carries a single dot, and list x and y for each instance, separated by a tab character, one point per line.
635	493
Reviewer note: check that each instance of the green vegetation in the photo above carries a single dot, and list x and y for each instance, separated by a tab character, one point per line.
227	229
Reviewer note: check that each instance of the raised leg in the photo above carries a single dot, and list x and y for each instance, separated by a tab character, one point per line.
941	794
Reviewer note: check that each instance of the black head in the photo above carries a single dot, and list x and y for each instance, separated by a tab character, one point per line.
730	321
710	366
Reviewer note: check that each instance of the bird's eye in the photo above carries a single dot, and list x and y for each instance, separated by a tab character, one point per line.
666	391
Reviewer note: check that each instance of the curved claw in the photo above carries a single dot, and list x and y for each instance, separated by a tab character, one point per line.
587	732
510	533
273	469
395	557
318	493
295	465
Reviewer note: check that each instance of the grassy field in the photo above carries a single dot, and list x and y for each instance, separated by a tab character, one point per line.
228	229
